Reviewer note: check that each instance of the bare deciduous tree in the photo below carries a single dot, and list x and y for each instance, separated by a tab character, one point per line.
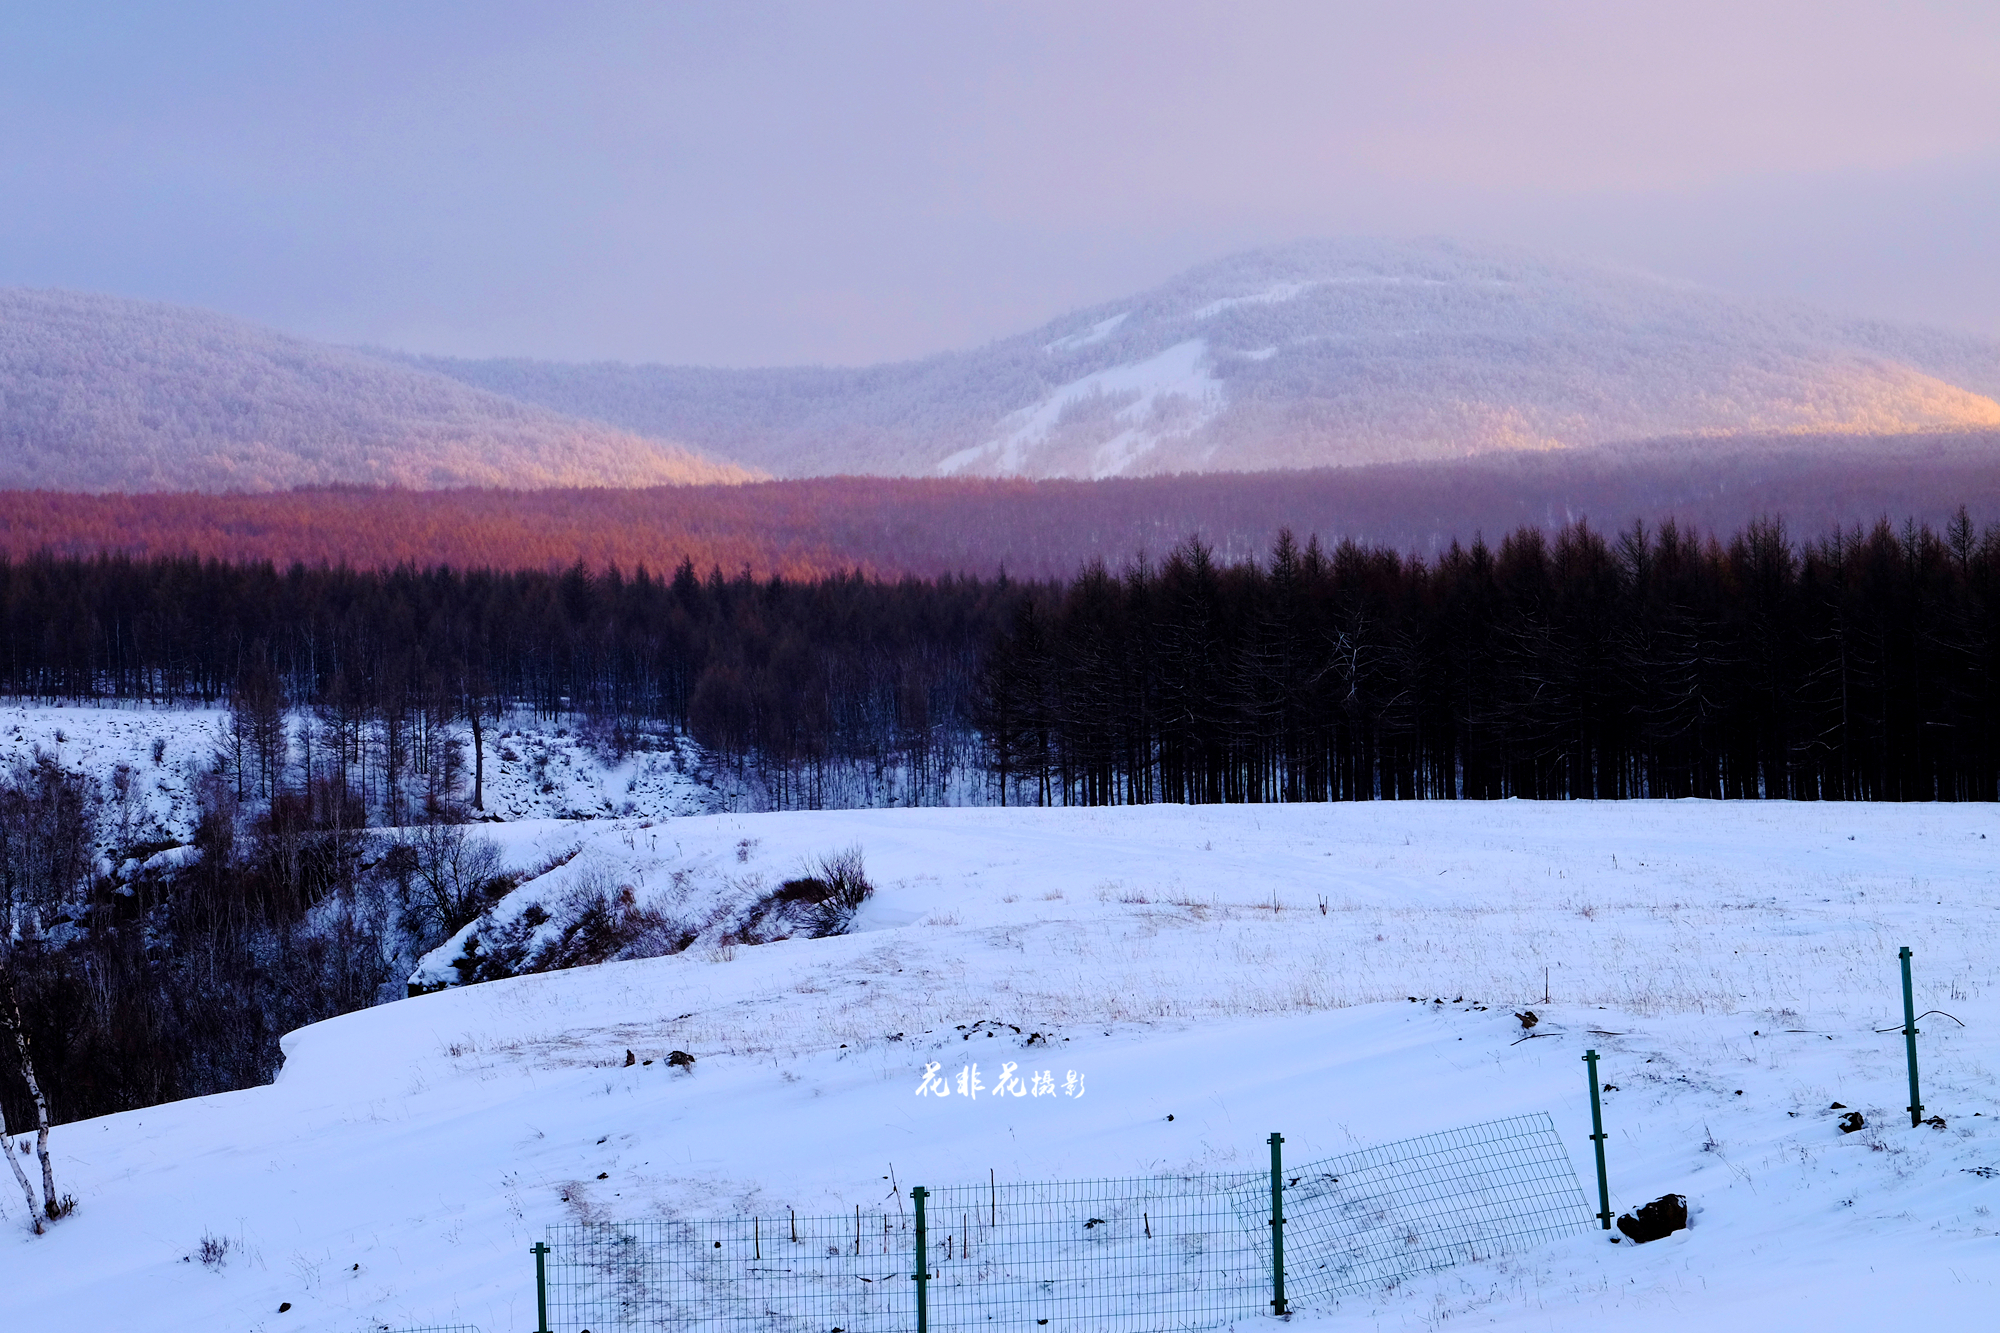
48	824
452	872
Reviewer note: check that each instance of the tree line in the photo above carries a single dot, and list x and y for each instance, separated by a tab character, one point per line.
1862	666
801	686
811	528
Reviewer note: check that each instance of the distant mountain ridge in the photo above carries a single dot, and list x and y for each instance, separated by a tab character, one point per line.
1316	354
103	394
1310	355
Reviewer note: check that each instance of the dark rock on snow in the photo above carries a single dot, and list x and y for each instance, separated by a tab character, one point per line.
1662	1217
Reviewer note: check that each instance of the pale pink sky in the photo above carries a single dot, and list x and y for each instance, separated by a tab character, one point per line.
744	183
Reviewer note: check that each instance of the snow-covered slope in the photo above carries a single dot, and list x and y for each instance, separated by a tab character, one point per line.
535	769
162	752
549	770
1240	969
102	394
1313	354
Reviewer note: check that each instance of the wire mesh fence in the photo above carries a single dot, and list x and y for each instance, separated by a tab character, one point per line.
1161	1252
1364	1219
1111	1256
783	1274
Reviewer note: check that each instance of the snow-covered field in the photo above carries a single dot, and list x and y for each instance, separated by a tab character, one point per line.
1241	969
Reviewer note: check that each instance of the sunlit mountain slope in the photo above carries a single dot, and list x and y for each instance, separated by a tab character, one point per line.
101	394
1313	354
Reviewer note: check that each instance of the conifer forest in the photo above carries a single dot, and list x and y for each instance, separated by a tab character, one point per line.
1859	665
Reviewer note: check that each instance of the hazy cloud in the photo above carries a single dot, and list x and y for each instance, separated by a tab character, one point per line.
757	183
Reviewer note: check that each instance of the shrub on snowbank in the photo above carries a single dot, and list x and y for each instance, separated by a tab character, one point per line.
579	911
820	903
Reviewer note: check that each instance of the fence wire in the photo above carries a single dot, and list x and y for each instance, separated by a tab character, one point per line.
786	1274
1365	1219
1149	1255
1162	1252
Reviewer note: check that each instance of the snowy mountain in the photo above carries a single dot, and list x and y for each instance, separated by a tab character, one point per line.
1307	355
1312	354
1345	974
101	394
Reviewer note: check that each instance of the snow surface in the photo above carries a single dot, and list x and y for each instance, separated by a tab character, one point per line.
550	771
1277	295
97	740
1096	333
535	769
1243	969
1144	404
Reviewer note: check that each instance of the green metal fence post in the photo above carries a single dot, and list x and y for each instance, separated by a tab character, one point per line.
1910	1040
1597	1138
1278	1225
541	1253
923	1274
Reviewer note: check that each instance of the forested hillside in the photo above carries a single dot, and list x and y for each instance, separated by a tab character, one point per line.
1048	529
101	394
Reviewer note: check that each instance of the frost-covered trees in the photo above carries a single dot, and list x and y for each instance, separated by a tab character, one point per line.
1310	354
105	394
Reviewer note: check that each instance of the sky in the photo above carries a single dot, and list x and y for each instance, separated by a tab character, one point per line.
749	183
